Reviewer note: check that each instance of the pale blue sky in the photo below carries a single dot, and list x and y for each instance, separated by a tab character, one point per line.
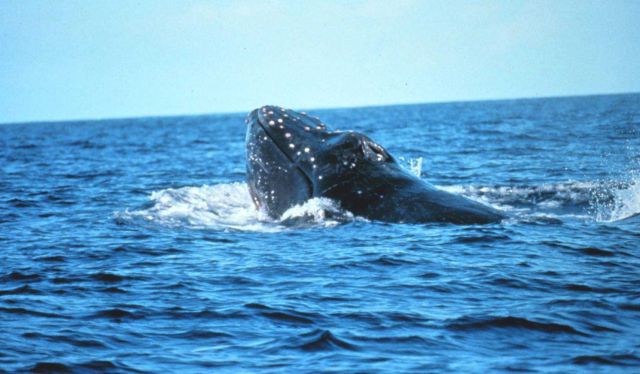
101	59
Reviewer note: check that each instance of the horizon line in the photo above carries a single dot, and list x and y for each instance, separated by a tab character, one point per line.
223	113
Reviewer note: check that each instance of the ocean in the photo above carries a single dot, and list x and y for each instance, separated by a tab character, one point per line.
132	245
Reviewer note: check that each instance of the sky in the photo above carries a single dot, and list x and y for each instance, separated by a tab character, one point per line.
64	60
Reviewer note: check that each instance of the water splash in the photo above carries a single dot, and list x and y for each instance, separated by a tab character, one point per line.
317	211
229	206
602	201
415	166
620	202
221	206
412	165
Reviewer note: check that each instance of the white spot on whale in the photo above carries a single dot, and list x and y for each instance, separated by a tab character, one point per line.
271	123
292	146
287	135
306	149
279	120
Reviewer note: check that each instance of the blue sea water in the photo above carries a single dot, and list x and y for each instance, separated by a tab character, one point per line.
132	245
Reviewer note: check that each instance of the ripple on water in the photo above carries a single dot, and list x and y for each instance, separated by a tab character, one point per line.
117	314
22	290
608	360
18	276
202	335
322	340
24	311
83	343
97	366
106	277
284	315
472	323
584	288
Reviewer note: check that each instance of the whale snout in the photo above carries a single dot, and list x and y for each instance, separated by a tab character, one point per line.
296	134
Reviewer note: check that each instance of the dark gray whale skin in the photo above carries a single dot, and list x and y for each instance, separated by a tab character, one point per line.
292	157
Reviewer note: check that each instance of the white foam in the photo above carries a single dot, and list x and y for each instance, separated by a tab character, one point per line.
319	211
228	206
551	195
221	206
603	201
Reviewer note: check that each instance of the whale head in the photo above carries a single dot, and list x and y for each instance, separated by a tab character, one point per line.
292	157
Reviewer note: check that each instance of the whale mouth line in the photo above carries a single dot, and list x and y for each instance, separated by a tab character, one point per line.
291	162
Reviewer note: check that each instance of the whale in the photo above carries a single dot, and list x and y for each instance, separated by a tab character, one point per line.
292	157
